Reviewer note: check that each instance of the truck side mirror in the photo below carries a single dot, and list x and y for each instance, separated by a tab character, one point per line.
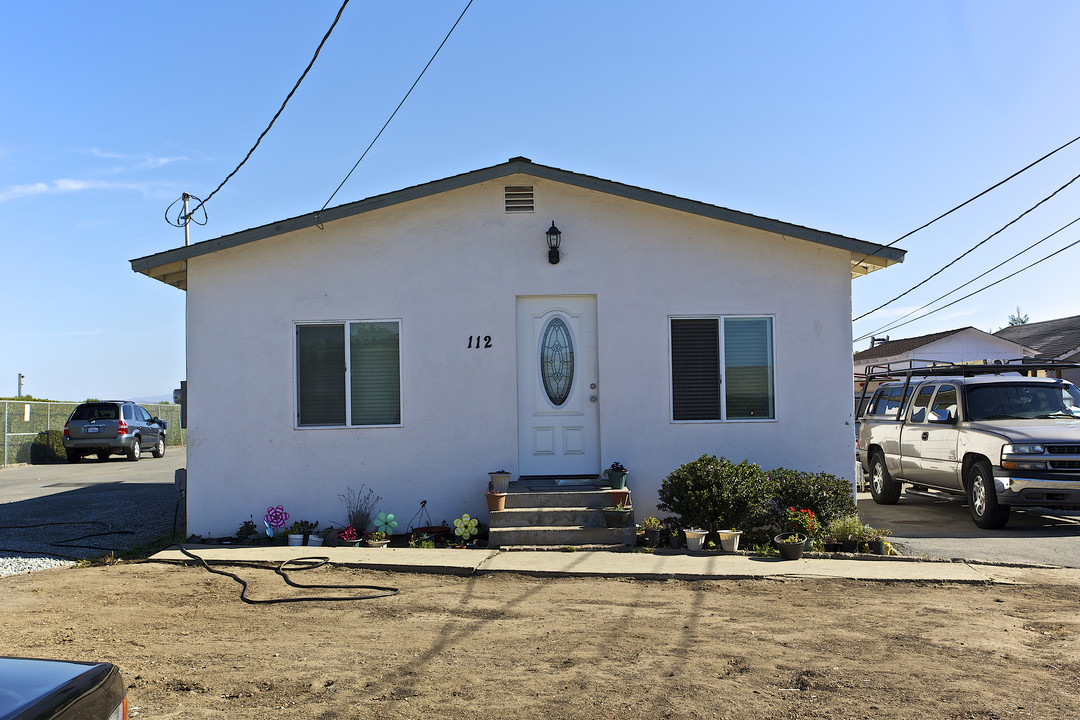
942	417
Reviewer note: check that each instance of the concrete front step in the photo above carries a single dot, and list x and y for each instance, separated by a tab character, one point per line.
568	535
546	517
557	498
554	517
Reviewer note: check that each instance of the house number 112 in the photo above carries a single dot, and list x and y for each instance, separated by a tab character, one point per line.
475	341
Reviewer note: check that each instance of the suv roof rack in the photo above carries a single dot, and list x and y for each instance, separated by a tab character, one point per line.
905	370
937	368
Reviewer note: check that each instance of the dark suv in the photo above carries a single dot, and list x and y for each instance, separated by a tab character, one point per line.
113	427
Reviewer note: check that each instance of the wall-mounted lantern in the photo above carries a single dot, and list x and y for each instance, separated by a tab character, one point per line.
554	239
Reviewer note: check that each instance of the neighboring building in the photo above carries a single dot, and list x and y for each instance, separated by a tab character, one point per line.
1051	339
417	340
963	345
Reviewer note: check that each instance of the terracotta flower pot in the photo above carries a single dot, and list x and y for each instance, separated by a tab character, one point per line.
496	501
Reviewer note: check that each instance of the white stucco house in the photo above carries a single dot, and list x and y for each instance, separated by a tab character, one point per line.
414	341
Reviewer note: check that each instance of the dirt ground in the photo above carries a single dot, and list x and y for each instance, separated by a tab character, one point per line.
509	646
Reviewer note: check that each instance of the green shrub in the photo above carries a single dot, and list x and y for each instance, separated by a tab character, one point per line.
48	447
714	493
826	495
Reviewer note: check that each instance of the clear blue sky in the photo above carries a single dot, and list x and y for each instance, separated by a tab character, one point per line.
860	118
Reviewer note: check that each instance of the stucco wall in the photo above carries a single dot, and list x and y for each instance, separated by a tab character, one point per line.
450	267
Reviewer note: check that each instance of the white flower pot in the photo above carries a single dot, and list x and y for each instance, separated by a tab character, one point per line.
729	539
695	540
296	539
500	482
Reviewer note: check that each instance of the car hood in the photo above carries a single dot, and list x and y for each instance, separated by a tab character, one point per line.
1034	431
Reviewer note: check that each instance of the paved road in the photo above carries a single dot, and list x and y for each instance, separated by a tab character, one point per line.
120	504
939	526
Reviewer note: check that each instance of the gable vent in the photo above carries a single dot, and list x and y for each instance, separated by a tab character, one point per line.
519	198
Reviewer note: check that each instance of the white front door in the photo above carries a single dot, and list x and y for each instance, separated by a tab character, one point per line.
558	418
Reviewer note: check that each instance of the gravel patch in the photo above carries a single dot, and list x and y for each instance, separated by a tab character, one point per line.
20	564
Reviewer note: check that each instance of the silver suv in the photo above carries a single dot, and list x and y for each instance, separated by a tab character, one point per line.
113	427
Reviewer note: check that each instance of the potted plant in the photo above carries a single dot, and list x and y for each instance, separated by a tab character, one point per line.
348	536
804	521
247	530
616	475
616	517
874	539
673	529
619	498
652	527
695	539
300	532
360	507
500	481
496	500
847	530
376	539
791	545
729	539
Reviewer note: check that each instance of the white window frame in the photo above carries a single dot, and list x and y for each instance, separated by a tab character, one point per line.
345	324
722	370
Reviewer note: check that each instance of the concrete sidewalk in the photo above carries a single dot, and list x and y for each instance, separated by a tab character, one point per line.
644	566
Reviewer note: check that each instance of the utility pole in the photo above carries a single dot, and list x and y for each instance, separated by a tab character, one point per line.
21	377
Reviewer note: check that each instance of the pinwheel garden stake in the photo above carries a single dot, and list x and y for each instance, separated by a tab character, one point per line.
274	519
466	526
385	523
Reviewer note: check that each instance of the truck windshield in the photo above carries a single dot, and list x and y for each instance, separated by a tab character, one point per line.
1023	401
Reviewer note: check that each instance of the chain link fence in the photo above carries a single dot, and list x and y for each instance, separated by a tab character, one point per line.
34	430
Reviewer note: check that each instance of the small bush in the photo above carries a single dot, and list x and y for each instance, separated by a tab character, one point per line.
714	493
48	447
826	495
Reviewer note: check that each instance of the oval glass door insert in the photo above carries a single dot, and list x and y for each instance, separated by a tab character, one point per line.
557	361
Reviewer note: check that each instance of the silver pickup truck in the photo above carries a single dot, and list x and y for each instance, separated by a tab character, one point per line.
989	432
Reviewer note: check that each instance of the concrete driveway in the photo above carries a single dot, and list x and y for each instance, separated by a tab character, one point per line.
938	526
81	510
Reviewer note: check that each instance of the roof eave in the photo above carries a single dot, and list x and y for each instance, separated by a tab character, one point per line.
170	266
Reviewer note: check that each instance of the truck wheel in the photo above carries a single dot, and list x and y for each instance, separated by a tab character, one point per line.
883	488
982	498
136	449
159	449
73	456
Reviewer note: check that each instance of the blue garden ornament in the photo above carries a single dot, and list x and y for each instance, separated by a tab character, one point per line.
385	523
466	526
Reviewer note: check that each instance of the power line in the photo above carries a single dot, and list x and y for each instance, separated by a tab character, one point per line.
379	134
891	325
966	202
970	250
280	110
987	287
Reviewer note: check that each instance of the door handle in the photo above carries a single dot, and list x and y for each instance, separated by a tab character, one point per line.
926	436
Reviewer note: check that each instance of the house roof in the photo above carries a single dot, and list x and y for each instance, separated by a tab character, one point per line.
1051	338
171	266
903	345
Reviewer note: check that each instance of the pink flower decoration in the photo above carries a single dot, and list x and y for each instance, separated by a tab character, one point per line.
276	516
